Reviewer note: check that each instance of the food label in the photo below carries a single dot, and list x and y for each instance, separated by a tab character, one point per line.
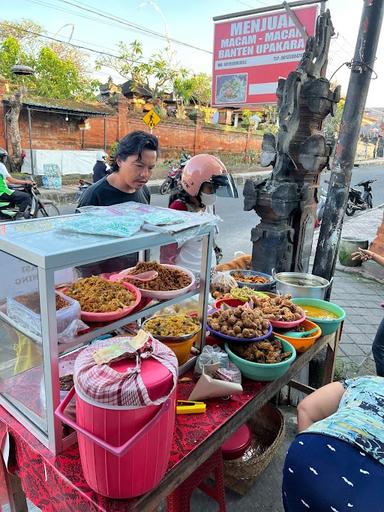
117	351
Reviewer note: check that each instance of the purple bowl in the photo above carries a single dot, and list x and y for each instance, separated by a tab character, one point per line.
235	339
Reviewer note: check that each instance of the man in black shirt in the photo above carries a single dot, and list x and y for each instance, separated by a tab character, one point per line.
135	159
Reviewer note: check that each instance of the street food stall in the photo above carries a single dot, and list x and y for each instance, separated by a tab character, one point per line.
102	404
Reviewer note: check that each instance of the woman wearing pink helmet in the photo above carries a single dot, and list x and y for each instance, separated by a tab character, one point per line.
203	178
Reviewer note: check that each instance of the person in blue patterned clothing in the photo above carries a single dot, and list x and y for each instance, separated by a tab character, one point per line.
336	462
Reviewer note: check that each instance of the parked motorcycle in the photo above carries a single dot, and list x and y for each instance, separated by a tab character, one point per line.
360	200
38	207
172	180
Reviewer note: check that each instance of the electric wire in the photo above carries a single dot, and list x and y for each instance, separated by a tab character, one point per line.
133	26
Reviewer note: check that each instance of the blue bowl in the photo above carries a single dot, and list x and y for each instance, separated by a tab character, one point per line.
255	286
263	371
327	326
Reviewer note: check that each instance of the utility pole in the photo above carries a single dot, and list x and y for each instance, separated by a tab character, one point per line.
361	72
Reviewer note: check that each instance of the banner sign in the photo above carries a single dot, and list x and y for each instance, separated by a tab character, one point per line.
252	53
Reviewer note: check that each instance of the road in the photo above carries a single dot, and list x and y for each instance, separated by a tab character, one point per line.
236	225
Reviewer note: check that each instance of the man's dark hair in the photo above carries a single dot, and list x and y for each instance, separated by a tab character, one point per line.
134	144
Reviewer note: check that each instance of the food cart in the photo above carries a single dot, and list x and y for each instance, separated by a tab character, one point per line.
40	457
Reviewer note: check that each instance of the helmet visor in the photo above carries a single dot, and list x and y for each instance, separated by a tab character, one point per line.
224	186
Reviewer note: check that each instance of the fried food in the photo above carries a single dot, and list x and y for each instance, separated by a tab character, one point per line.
279	308
247	278
96	295
168	279
240	322
172	325
32	302
268	351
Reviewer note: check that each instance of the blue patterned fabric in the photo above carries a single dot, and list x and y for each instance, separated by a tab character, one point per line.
324	474
359	419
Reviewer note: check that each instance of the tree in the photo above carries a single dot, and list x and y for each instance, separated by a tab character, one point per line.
59	72
194	89
158	73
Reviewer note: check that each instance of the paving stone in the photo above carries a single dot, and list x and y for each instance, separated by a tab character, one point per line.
369	328
361	339
351	349
351	328
357	319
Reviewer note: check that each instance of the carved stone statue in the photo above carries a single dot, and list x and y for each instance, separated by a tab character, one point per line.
286	202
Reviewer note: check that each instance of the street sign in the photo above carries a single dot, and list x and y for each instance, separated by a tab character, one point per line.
251	53
151	119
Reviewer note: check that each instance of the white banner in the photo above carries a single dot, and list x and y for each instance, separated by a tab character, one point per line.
68	162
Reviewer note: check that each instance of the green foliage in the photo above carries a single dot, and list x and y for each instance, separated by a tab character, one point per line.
157	73
59	71
194	89
331	124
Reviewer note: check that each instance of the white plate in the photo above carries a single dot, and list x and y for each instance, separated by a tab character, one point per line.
171	294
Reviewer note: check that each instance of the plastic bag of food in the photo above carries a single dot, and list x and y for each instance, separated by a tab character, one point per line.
215	362
222	282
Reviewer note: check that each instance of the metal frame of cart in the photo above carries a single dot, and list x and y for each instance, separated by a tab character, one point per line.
36	243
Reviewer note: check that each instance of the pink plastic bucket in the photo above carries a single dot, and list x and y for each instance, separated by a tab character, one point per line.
124	451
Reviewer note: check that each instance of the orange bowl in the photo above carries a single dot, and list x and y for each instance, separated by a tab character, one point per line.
301	344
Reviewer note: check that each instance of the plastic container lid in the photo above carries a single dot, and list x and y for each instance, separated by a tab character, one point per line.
129	382
156	377
235	446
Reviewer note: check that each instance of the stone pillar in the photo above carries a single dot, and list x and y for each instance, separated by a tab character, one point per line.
286	202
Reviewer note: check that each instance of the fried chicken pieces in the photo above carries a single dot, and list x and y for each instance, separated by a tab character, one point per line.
278	308
240	322
267	351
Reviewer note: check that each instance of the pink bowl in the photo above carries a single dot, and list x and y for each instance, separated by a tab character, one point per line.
110	316
284	325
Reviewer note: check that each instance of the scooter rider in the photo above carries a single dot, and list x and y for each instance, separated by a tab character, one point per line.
15	197
101	167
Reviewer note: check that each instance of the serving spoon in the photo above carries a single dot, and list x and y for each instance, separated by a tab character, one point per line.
144	277
303	334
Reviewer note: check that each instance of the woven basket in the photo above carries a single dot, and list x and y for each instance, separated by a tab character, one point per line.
268	430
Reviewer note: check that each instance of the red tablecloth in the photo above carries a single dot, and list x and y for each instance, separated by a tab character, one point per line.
56	484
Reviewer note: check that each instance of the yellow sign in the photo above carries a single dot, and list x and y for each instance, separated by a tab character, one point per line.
151	119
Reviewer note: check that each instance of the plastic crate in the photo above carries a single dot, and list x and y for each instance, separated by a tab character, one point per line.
31	321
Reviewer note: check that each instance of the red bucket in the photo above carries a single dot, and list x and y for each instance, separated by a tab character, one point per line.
125	451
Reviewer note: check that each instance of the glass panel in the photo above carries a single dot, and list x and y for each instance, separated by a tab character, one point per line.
21	355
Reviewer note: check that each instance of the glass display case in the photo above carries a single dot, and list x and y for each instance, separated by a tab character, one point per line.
37	257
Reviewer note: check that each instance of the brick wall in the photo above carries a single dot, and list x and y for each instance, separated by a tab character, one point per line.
174	135
52	131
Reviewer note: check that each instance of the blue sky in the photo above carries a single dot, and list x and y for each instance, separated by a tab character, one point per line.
188	21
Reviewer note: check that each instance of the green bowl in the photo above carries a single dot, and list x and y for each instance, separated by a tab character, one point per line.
263	371
326	326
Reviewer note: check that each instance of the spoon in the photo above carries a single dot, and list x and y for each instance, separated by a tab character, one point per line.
144	277
298	334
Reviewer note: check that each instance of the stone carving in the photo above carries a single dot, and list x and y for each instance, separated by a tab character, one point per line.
286	202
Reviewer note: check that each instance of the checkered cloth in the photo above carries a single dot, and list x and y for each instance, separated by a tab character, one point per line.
108	386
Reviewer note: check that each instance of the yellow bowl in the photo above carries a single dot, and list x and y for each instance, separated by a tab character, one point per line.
182	348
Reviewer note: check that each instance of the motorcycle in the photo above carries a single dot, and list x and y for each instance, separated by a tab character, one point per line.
83	186
172	180
357	200
38	208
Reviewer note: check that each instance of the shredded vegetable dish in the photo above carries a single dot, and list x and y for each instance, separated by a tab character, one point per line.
96	295
172	325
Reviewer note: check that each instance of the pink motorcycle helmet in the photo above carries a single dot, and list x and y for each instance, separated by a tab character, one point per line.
206	168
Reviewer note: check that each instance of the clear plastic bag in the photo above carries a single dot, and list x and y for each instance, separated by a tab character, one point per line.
222	282
71	331
223	368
